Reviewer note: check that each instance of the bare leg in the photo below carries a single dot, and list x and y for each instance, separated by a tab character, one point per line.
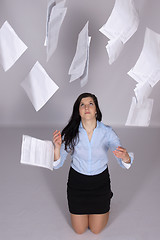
79	223
97	222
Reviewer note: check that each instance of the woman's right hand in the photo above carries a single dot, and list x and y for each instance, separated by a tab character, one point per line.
57	140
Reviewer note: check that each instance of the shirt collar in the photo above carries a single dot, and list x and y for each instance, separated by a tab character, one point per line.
81	126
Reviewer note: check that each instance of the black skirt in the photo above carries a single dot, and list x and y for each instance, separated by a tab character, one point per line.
88	194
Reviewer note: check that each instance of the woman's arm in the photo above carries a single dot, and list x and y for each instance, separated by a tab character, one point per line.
57	141
60	153
124	158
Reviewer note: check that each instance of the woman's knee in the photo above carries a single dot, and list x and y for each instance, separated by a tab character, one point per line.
79	223
97	229
98	222
79	230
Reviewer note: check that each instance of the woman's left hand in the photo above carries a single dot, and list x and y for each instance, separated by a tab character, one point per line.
122	153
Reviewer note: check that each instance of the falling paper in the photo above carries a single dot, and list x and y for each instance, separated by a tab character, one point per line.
37	152
39	86
84	77
79	65
121	25
147	67
114	48
140	114
11	46
55	15
142	91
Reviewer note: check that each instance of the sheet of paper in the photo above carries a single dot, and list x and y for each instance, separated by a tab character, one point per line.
147	67
79	65
11	46
120	26
140	114
39	86
37	152
55	15
50	5
142	91
84	77
114	48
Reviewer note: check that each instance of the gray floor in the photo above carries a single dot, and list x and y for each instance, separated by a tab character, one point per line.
33	203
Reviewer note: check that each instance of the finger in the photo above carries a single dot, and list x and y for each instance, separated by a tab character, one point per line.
118	154
121	149
57	137
56	134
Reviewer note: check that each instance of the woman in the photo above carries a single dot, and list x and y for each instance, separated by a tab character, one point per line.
87	139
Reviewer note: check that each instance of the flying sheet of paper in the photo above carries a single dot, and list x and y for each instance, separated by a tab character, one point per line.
55	15
84	77
37	152
142	91
147	67
79	65
11	46
114	48
140	114
39	86
121	25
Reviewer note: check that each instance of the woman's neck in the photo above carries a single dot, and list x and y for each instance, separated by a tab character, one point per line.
89	125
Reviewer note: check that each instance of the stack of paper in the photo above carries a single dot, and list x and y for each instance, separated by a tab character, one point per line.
55	16
80	63
39	86
121	25
11	46
147	73
37	152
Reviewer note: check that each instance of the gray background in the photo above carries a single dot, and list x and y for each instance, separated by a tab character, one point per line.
112	85
33	201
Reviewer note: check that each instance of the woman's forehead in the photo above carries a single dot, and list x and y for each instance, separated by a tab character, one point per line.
87	99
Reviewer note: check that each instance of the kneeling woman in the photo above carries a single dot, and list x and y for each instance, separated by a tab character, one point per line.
87	139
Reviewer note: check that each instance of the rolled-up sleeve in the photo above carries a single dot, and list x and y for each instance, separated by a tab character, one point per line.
63	155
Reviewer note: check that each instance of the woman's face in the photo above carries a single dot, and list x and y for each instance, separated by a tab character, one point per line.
87	109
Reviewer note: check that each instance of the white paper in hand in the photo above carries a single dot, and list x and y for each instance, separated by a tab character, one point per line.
39	86
121	25
37	152
11	46
55	15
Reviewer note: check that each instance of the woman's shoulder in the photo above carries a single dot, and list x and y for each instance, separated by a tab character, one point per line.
104	126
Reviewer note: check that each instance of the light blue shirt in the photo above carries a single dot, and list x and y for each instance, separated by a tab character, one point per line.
90	157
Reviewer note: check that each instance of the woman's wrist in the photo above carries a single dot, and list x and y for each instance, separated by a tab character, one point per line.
128	160
56	154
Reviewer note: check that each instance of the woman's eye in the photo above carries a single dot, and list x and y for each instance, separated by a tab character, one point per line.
91	103
82	104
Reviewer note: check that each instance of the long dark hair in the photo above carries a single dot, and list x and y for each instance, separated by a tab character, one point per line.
70	134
